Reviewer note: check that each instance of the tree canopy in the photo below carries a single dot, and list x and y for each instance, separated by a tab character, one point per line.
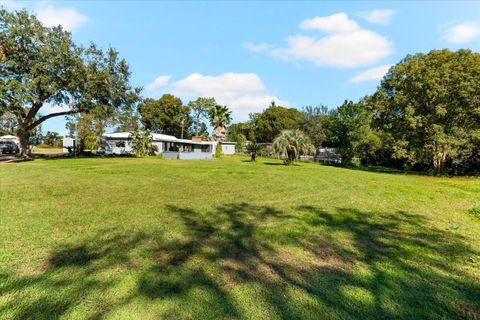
220	117
348	130
269	123
200	109
428	109
41	66
166	115
292	143
312	123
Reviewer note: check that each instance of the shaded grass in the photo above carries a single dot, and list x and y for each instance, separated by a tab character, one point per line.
151	238
474	212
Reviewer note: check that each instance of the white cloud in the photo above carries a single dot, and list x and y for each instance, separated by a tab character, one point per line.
461	32
333	24
67	17
242	92
50	15
349	49
160	81
346	44
377	16
227	85
375	73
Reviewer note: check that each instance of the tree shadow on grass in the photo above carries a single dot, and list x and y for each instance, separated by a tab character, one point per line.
243	261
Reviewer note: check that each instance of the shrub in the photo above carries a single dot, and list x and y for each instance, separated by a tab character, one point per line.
292	143
218	151
253	149
142	143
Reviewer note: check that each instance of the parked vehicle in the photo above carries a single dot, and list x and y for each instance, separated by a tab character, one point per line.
8	147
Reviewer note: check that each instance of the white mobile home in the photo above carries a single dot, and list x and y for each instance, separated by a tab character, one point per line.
169	146
228	147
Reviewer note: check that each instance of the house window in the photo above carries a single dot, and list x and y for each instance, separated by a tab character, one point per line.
187	148
205	148
120	144
173	147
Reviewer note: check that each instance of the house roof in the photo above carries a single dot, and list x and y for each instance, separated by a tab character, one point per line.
195	142
155	137
8	136
163	137
118	135
127	135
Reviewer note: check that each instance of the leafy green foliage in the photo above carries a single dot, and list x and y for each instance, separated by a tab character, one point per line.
200	109
348	130
40	65
51	138
269	123
8	124
142	143
218	150
292	143
428	110
312	123
240	141
89	128
242	128
166	115
220	117
253	149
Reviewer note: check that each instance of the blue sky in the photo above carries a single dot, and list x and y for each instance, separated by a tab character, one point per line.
247	53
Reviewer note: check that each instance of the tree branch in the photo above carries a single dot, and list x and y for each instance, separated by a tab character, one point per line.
51	115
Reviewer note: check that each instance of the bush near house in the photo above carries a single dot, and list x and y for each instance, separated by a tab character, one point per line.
218	150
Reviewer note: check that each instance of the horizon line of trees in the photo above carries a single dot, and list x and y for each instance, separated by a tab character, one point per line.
424	115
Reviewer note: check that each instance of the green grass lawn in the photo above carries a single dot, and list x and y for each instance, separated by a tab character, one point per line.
125	238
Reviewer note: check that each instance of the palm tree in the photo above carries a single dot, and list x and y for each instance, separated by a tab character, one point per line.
220	117
253	149
293	143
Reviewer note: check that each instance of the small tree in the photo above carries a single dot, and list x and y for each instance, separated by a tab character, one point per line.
218	151
349	131
200	109
292	143
51	137
253	149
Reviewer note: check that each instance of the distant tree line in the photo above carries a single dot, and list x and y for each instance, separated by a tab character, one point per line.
424	115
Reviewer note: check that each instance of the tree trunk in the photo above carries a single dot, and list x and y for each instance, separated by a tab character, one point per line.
197	125
439	162
24	136
290	156
219	133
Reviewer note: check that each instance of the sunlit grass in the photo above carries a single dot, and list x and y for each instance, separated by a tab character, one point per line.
150	238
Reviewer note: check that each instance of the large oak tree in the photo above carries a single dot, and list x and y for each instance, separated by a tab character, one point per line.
273	120
166	115
428	110
42	66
